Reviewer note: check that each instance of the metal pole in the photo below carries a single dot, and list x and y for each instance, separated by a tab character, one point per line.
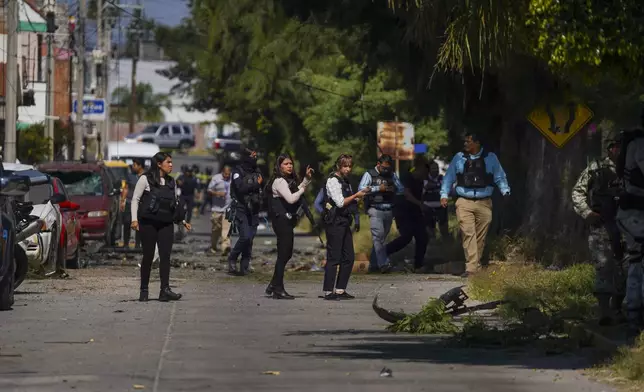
51	94
80	74
100	92
11	80
108	93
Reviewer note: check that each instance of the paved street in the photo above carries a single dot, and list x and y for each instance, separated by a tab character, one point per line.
88	333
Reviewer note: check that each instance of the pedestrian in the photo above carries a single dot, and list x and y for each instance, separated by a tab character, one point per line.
246	193
206	199
283	209
409	215
475	172
137	169
340	207
188	185
154	210
593	198
219	192
384	186
432	199
630	215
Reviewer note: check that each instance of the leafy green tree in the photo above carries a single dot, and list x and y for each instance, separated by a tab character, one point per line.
148	104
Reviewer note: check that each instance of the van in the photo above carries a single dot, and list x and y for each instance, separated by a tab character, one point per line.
123	151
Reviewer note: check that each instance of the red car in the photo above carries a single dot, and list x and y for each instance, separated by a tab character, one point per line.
70	235
90	186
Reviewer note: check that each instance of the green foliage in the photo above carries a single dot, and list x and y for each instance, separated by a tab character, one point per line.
32	147
148	104
432	319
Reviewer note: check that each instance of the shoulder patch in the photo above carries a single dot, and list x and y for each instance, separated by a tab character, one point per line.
235	176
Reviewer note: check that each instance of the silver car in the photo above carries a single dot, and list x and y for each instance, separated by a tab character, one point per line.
165	135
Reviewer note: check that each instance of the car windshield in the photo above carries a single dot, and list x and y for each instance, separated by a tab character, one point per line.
39	194
150	129
81	183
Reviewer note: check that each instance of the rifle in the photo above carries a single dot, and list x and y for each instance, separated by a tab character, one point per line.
231	214
608	212
307	211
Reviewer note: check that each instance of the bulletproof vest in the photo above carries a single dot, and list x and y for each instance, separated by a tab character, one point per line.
632	176
474	173
251	201
433	189
279	206
379	198
603	187
159	203
188	185
340	215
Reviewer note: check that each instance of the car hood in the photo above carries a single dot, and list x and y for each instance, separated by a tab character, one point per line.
133	135
90	203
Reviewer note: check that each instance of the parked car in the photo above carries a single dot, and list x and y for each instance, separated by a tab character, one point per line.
166	135
123	151
10	186
91	187
225	143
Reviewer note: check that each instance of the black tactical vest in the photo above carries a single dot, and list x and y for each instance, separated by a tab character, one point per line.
602	188
250	202
474	173
337	215
188	186
376	199
279	206
433	189
159	203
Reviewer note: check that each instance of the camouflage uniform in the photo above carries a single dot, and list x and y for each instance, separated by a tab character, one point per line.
610	278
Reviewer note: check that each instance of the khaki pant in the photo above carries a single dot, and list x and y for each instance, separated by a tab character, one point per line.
474	217
220	228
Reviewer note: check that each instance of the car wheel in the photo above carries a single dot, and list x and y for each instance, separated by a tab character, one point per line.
6	290
184	147
22	266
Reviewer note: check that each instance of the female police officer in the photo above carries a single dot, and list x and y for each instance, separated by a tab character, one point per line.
283	208
154	210
340	205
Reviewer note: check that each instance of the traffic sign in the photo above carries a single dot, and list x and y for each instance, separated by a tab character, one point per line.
559	124
93	109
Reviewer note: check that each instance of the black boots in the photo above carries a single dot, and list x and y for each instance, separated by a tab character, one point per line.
143	297
277	292
167	295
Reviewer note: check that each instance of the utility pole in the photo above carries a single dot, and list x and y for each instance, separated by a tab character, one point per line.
135	59
11	89
100	73
51	86
108	94
80	75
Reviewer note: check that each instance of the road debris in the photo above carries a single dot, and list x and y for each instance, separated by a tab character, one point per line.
385	372
271	373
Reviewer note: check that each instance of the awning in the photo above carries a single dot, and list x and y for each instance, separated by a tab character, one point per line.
30	20
20	126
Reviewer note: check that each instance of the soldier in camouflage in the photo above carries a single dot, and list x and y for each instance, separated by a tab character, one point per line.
594	199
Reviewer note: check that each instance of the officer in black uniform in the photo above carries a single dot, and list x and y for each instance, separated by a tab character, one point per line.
340	206
188	184
247	193
432	199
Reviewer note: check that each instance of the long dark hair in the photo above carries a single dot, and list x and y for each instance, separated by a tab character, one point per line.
153	171
277	172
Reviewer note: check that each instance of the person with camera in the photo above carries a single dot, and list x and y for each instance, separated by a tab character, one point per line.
340	207
246	193
155	209
284	209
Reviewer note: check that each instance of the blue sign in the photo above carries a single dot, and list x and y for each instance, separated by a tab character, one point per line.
420	148
91	106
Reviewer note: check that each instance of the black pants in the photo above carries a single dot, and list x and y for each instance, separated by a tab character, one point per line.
283	228
189	203
160	234
127	229
246	225
339	251
438	217
410	225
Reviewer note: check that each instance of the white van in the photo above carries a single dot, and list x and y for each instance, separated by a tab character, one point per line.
123	151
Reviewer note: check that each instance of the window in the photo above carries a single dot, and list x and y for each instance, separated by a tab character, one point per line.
187	130
150	129
176	130
39	194
164	131
80	183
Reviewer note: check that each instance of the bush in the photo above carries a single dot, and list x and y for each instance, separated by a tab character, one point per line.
432	319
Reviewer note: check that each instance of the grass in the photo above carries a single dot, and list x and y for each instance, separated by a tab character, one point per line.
627	367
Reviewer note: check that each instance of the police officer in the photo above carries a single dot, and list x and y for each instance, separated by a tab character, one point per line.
340	207
593	198
379	203
246	192
432	200
137	169
630	215
153	214
188	184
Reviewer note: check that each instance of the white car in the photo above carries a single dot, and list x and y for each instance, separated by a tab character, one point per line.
42	248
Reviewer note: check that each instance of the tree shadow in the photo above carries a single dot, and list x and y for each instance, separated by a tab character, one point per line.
442	349
17	292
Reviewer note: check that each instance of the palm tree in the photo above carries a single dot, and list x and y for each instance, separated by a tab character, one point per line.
148	104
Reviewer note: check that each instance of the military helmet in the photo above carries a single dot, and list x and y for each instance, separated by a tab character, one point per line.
185	168
195	168
610	137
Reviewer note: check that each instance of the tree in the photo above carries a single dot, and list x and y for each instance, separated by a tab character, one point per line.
148	104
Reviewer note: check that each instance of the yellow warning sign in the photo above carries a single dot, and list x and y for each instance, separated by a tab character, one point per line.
559	124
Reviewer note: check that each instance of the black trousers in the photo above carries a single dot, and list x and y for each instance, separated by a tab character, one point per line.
410	225
153	234
127	229
339	252
246	225
189	203
438	217
283	228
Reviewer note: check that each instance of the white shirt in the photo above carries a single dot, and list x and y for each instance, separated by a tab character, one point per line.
334	190
280	189
142	185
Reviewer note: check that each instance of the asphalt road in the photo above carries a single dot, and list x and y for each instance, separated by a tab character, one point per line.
88	333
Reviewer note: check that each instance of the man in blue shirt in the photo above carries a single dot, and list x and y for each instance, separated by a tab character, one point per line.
379	204
475	173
